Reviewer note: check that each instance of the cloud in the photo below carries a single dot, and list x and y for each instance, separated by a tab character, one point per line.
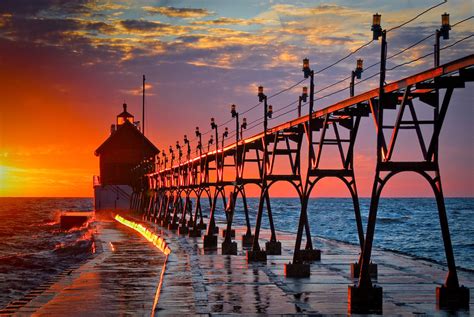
223	60
53	31
141	25
229	21
326	9
109	6
29	8
145	28
139	90
173	12
218	38
285	58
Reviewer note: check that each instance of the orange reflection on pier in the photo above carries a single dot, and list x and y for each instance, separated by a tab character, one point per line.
157	241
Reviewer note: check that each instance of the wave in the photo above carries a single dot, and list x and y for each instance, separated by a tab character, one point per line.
393	219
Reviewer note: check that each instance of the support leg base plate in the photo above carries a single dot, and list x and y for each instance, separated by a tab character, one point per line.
229	248
256	256
297	270
452	298
273	247
182	230
210	242
365	300
194	233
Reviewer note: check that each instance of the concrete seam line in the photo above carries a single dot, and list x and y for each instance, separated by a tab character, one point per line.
158	242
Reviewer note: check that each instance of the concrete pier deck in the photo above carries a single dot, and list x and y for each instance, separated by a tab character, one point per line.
208	282
125	280
122	279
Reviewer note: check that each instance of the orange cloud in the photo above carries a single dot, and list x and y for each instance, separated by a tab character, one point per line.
139	90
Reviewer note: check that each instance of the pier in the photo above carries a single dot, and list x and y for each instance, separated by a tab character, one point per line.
129	275
168	188
123	277
200	225
168	255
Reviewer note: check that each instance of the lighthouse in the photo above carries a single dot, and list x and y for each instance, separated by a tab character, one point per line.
125	147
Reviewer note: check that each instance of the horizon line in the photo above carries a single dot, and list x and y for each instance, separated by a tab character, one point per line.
279	197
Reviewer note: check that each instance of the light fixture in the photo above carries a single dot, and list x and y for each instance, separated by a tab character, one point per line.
376	27
306	70
261	96
359	68
445	27
304	95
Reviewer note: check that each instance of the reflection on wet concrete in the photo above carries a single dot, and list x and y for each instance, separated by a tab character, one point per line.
221	284
124	281
120	280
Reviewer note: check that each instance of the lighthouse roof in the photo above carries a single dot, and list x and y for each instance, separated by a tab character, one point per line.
127	136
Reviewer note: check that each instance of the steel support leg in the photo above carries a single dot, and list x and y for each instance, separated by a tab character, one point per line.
365	297
450	295
247	238
228	246
256	254
272	247
210	239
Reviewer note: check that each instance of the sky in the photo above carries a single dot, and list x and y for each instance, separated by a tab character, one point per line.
67	67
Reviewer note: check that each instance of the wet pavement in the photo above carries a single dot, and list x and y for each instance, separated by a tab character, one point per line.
123	279
198	282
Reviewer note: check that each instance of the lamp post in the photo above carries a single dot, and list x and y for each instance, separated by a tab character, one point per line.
214	127
308	72
378	32
268	110
180	153
302	98
188	146
242	127
444	32
224	135
172	156
165	159
209	143
157	161
357	73
235	115
367	296
199	145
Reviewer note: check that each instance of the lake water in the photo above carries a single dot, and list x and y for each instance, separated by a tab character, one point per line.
34	249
